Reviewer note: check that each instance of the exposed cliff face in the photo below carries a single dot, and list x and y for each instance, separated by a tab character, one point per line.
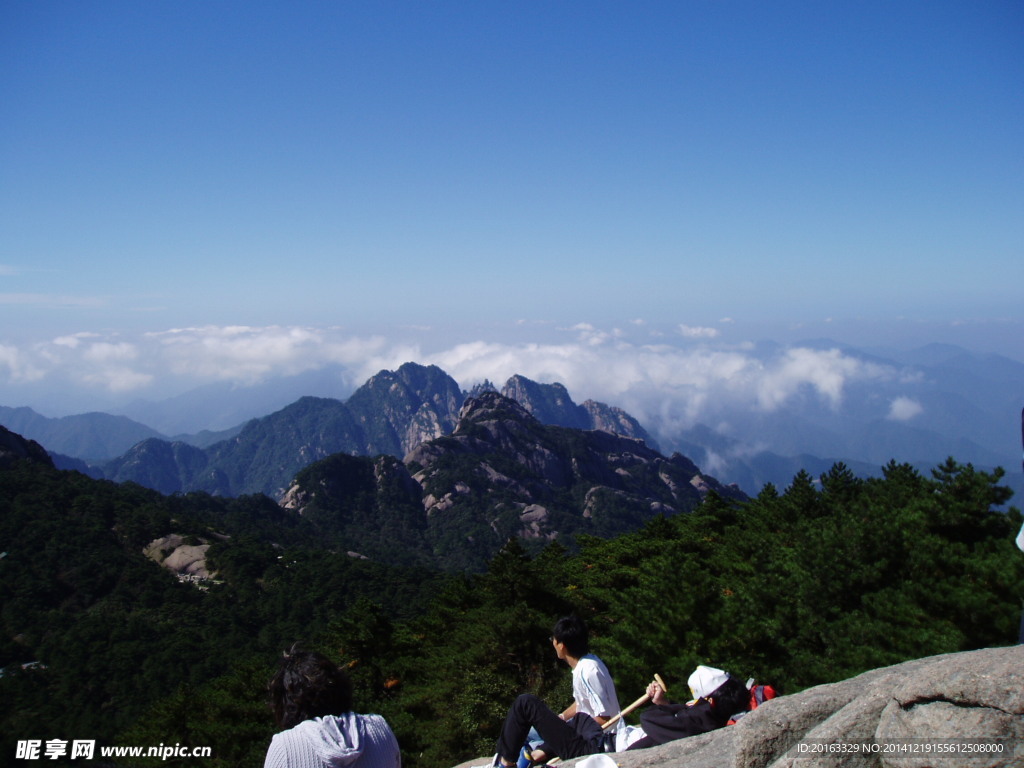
548	403
400	409
615	420
540	481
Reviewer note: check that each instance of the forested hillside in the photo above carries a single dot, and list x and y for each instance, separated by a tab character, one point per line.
92	632
798	587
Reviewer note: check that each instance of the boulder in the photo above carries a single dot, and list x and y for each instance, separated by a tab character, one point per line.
178	557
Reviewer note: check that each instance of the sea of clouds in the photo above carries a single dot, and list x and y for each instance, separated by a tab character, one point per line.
675	380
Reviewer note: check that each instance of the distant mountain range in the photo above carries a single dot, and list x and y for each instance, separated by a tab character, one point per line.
88	436
392	413
970	404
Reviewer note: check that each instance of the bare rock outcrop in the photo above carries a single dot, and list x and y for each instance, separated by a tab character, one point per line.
893	717
179	557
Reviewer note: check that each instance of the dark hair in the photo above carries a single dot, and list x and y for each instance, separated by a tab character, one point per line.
572	631
730	697
308	685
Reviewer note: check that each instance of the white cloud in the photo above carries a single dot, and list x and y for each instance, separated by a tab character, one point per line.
588	334
904	409
19	368
74	339
118	379
666	387
105	351
242	353
824	371
697	332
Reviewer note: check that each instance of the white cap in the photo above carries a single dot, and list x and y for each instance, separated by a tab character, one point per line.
705	680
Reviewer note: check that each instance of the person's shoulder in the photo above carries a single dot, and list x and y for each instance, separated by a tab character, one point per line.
375	721
593	662
591	667
377	727
277	752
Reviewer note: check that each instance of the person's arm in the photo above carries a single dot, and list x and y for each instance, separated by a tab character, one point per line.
569	712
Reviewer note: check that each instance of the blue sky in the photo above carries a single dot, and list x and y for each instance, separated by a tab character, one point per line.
413	178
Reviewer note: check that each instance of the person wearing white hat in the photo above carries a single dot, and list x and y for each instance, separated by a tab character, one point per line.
717	696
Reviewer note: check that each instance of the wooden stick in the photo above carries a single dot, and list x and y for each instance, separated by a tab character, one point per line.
639	702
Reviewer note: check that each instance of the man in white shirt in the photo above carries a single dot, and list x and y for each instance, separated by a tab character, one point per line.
577	731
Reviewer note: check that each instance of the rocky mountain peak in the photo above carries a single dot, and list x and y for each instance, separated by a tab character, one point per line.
400	409
550	403
489	405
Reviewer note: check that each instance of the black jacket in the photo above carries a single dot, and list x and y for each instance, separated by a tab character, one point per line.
668	722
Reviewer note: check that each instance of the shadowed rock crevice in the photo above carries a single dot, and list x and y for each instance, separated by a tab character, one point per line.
909	706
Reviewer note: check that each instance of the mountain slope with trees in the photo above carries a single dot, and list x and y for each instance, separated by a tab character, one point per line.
93	632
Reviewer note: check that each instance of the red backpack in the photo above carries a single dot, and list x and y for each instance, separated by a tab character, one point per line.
759	694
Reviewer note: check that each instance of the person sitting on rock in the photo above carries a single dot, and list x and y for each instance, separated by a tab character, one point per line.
576	731
717	697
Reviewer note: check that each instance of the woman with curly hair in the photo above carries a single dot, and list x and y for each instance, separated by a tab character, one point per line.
311	698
